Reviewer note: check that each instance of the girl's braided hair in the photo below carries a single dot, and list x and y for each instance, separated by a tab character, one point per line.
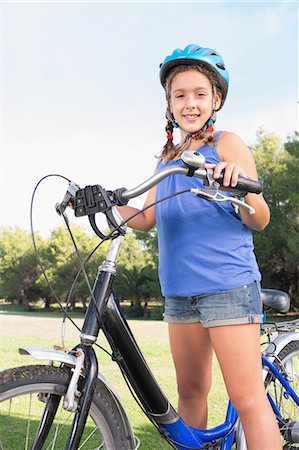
170	151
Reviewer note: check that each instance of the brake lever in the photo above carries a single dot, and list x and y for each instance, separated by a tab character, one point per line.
68	198
213	195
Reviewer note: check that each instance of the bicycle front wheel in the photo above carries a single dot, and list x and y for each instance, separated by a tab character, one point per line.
24	391
287	363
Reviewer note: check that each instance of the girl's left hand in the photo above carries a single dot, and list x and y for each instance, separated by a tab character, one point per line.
231	172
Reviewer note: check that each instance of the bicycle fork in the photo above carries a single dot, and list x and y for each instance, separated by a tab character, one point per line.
80	407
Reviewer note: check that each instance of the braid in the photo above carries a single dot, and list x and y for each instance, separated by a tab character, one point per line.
206	134
169	149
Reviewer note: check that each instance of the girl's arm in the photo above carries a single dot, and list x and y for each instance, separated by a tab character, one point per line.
238	160
145	220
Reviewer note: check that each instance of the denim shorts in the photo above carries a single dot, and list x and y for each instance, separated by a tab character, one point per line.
233	307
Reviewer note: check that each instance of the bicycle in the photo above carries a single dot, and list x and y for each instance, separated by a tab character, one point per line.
71	405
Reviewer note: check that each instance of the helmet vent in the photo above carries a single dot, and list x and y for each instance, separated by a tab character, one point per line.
212	53
195	49
220	65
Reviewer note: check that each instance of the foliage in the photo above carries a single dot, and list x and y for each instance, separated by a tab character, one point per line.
21	279
18	271
277	246
64	263
149	243
137	278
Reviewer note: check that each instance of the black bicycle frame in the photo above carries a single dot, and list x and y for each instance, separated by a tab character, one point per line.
104	313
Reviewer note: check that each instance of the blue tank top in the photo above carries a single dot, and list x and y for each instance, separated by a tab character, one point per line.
203	247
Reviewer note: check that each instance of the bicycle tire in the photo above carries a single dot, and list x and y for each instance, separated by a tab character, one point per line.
19	386
288	358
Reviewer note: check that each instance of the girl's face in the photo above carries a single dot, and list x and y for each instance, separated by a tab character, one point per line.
191	100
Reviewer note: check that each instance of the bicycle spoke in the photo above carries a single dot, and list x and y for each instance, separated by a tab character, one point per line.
288	364
101	446
57	428
28	423
88	437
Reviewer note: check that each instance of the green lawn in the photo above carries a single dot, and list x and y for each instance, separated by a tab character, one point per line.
40	330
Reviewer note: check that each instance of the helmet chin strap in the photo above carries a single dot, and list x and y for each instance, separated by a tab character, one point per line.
208	126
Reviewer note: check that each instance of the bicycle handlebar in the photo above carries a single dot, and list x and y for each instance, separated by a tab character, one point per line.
244	186
93	199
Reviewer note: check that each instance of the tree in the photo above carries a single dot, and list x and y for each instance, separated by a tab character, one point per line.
277	246
149	242
63	263
18	267
137	270
21	278
131	283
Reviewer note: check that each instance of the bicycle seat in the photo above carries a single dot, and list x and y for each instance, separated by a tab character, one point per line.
279	301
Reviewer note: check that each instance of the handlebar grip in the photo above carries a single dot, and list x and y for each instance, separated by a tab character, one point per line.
118	197
246	185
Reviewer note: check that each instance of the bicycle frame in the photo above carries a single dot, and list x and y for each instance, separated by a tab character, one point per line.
288	390
104	314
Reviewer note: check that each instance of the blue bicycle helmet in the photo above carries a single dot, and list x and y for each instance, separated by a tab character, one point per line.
196	55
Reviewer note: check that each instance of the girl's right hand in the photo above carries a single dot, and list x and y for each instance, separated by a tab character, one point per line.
231	170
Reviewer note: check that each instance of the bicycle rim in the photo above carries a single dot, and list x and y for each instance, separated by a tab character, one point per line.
22	405
288	361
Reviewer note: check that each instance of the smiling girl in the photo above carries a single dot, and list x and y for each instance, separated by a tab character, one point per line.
207	268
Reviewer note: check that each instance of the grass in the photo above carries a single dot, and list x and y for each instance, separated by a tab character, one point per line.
35	329
40	328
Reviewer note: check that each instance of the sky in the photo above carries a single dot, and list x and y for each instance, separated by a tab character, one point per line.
80	91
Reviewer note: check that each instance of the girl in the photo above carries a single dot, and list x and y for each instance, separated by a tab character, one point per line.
207	268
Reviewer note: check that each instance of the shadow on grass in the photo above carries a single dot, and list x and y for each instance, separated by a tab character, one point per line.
150	439
16	310
57	312
13	435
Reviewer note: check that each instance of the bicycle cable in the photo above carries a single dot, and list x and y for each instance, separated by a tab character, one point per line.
171	441
115	229
106	238
82	264
41	264
35	245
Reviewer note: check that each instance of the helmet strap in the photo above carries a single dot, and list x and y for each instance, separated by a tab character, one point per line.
170	117
208	126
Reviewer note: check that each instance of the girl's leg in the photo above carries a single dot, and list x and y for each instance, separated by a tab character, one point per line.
192	355
238	351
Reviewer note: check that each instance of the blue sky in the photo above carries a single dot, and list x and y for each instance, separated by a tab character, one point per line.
80	92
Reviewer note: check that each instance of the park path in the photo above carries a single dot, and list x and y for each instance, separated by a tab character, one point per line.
27	325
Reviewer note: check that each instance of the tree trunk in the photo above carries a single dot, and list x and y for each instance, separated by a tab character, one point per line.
47	302
84	304
25	300
73	303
